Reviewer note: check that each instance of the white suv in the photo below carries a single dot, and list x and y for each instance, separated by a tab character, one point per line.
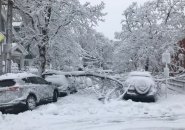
25	89
141	86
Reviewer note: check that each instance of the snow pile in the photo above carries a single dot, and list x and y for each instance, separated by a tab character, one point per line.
77	105
83	111
87	105
51	109
1	117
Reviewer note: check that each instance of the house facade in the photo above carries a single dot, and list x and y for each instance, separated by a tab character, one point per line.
18	52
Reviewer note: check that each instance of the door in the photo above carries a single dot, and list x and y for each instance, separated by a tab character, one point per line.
47	89
35	87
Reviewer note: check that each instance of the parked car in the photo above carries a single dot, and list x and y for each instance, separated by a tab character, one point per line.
26	90
66	85
67	82
142	87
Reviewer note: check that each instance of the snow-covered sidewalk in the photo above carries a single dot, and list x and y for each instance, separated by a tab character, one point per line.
83	111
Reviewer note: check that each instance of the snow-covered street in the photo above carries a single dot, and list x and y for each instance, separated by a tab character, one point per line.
83	111
89	58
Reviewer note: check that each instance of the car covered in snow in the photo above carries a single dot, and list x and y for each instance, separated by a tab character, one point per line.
67	82
24	89
140	86
64	84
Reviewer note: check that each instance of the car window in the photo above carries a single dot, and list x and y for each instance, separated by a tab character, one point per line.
41	81
7	83
46	75
26	80
35	80
32	80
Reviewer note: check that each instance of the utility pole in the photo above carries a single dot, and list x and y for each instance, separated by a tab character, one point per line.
1	53
9	36
0	15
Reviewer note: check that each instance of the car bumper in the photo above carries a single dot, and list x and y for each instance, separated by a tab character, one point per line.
64	92
138	97
19	102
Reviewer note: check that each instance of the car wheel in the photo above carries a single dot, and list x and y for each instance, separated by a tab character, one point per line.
31	103
73	90
3	111
55	96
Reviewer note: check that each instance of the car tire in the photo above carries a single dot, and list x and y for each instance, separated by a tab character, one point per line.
2	111
31	102
55	96
63	94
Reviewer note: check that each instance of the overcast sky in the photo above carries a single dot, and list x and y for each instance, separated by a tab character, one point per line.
114	8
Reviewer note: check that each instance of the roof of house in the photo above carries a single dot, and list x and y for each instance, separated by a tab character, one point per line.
17	46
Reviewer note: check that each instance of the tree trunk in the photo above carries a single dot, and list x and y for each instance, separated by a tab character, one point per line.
147	64
42	58
45	41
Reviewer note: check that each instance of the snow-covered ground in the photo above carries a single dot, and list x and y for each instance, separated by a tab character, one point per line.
82	111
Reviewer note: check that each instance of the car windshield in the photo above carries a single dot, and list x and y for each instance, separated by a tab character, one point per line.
7	83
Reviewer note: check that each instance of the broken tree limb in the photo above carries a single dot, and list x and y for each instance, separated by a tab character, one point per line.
90	74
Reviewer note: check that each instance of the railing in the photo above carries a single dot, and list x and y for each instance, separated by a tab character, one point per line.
174	84
177	84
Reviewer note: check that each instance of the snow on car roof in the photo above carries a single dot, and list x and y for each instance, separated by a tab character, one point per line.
58	72
15	75
140	73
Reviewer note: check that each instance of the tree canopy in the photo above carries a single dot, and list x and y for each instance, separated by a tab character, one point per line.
147	32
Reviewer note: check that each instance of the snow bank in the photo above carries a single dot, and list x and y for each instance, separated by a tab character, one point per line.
83	111
51	109
87	105
1	117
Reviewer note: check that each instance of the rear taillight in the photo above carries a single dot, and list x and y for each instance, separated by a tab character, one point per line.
14	88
